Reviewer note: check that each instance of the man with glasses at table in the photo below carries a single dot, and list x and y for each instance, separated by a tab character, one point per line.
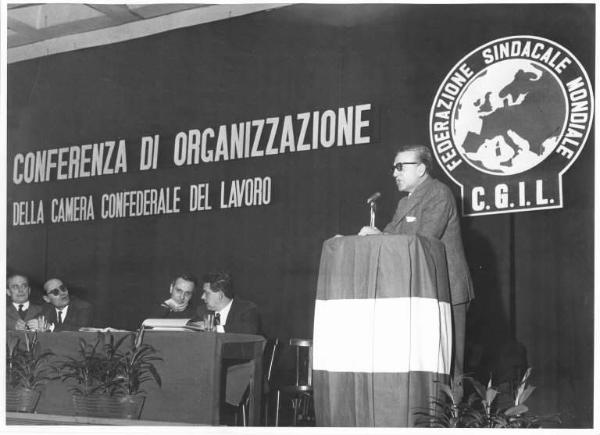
429	210
65	312
21	314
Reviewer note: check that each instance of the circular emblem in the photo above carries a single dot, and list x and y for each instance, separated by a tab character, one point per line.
514	109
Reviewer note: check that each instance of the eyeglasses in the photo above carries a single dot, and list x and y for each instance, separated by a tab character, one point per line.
22	286
399	166
60	289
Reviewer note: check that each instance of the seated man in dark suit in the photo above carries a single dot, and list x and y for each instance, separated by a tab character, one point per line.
179	305
20	312
65	312
235	315
232	314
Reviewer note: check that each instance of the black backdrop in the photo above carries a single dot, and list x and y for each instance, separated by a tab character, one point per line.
533	271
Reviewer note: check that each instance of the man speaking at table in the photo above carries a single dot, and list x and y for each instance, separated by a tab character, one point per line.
429	210
232	314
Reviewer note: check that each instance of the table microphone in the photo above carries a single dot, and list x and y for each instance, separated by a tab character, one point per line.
371	201
373	197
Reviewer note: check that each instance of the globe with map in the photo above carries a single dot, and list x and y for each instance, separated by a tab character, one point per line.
509	117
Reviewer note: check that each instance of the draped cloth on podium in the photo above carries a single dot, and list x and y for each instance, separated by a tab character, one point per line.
382	338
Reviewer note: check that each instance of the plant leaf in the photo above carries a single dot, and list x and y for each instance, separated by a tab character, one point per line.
479	388
516	410
526	393
490	395
448	391
526	375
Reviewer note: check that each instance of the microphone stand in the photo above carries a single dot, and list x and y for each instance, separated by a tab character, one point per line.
372	223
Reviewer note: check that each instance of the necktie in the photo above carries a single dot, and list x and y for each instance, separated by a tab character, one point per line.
60	317
21	312
217	319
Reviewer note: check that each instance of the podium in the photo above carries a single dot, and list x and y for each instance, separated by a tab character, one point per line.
382	339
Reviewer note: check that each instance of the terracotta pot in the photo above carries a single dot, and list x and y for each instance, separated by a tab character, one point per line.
109	406
21	399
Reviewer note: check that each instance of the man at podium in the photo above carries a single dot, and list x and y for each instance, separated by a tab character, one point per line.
429	210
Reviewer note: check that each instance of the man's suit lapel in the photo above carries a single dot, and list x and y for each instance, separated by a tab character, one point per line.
409	202
71	315
232	313
51	315
12	312
15	312
402	209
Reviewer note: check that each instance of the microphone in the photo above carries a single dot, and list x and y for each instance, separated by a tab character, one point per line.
373	197
371	201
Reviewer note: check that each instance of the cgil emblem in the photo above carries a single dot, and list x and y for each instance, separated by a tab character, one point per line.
508	120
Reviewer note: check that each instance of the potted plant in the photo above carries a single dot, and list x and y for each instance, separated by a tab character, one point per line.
28	369
108	377
484	408
135	367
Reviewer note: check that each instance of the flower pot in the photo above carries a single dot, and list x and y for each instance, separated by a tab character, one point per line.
21	399
109	406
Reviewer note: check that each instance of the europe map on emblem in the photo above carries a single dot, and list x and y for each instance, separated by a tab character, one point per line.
508	121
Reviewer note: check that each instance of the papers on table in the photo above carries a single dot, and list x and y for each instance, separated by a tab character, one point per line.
169	325
109	329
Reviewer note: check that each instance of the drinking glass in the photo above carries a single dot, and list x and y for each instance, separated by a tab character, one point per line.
209	322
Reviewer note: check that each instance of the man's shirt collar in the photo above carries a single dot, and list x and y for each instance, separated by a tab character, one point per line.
25	305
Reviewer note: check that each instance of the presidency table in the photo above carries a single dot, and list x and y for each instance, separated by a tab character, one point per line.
382	336
191	371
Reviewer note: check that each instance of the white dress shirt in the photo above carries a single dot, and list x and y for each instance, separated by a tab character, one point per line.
25	306
223	313
64	313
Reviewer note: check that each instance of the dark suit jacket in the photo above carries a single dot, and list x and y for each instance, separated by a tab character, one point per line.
243	317
12	314
431	211
80	314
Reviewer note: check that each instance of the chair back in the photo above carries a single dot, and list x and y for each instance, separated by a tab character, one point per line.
270	354
303	350
301	393
238	381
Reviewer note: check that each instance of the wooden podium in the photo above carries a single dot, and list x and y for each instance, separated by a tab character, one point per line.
382	330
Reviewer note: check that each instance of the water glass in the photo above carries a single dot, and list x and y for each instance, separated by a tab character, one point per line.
209	322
